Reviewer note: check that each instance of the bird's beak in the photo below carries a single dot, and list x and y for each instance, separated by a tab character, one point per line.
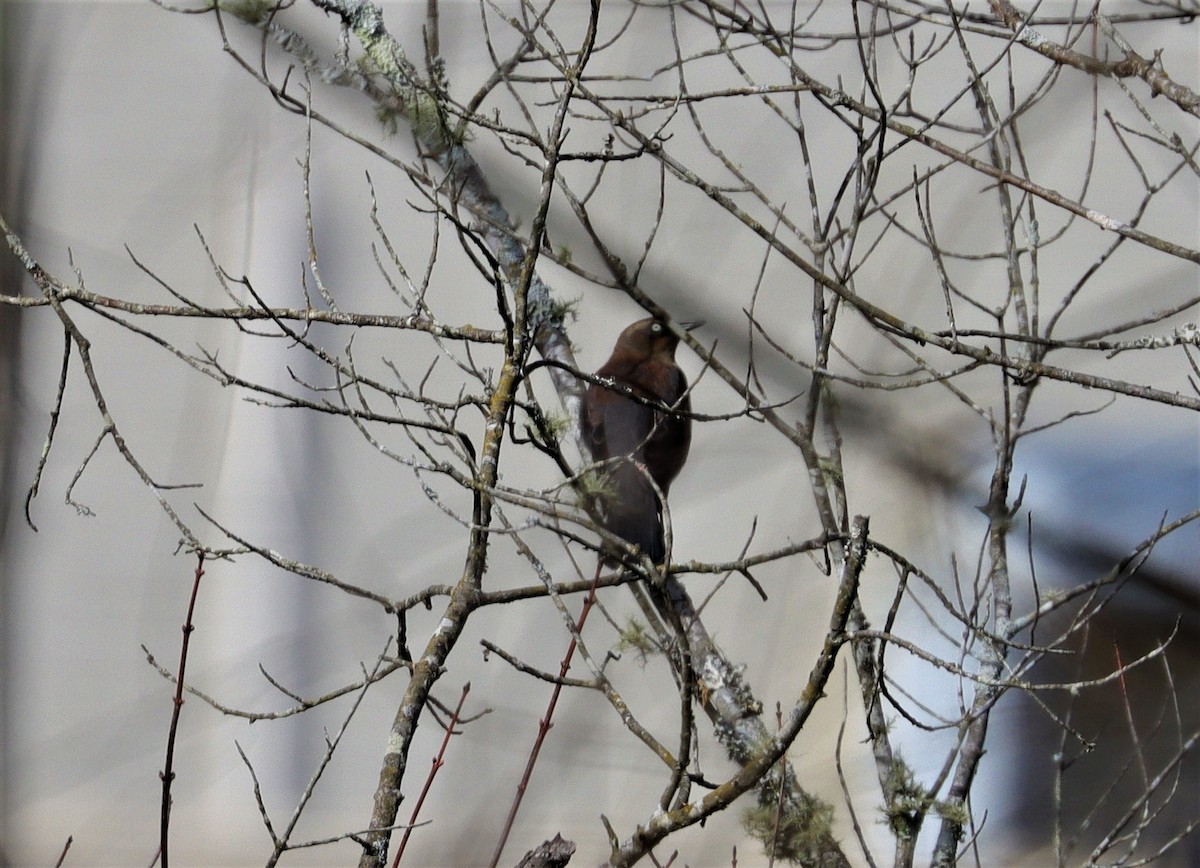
691	325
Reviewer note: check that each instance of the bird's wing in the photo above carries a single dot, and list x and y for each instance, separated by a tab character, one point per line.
616	426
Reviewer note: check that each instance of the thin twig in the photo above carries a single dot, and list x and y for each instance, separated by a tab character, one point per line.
168	773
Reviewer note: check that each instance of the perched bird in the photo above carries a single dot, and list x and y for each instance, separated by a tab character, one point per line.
646	441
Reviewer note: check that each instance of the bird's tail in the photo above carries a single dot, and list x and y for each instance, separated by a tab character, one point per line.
633	511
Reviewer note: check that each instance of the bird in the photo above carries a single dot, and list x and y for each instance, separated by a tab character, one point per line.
638	441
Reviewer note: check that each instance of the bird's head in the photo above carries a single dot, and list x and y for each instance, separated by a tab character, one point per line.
651	337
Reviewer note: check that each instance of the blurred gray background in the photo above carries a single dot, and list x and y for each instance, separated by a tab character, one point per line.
125	125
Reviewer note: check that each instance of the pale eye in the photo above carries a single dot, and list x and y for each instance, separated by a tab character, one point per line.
657	328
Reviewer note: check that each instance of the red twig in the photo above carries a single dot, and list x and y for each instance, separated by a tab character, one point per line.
167	775
438	762
545	723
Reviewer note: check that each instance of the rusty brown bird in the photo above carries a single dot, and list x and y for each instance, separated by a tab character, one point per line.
640	441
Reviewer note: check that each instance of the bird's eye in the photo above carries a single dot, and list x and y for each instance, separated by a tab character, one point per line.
657	328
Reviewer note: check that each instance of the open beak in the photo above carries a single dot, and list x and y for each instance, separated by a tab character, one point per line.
691	325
